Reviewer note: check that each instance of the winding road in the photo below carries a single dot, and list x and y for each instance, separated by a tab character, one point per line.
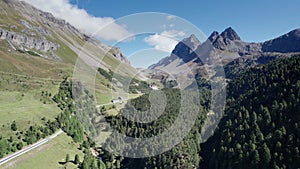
29	148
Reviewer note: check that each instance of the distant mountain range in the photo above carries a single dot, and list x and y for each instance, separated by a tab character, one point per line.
235	54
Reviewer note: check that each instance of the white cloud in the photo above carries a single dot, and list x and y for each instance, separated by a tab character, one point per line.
79	18
171	25
173	33
170	17
165	41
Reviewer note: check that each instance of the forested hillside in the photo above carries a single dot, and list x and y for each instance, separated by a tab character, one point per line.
260	128
183	155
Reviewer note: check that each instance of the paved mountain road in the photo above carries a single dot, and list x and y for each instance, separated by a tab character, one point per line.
29	148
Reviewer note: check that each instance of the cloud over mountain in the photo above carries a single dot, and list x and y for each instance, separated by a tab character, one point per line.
164	41
102	27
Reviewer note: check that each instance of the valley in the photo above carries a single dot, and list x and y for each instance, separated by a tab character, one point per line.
70	100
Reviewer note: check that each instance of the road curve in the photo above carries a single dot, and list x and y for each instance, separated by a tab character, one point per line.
29	148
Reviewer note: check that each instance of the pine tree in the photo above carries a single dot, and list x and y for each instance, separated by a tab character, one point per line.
67	158
13	126
76	159
266	155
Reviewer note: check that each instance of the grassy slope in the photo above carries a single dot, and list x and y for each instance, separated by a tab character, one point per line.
48	156
26	110
25	64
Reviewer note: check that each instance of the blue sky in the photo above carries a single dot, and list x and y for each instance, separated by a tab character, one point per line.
254	21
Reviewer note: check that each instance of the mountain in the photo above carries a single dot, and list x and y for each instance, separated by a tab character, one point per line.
284	44
184	50
25	29
236	55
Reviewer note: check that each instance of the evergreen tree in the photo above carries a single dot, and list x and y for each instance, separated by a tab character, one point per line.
76	159
67	158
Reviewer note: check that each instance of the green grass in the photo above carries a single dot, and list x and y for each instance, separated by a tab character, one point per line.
25	110
103	98
48	156
9	16
65	53
25	64
112	112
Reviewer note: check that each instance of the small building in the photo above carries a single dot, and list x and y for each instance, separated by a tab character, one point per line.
153	87
115	101
119	100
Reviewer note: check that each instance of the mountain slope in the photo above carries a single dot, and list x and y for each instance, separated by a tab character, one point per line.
35	44
260	126
38	33
284	44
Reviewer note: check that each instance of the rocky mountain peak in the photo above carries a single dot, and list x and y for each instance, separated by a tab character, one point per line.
185	48
192	42
225	39
229	33
213	36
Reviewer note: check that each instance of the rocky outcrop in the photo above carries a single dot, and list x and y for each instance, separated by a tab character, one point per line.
40	30
22	40
117	53
213	37
51	18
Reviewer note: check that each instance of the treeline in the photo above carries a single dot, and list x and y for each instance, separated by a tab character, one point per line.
260	128
78	109
78	105
68	120
129	84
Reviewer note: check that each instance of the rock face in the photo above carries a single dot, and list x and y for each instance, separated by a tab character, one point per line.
230	34
289	42
226	38
229	40
39	29
23	40
117	53
185	49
